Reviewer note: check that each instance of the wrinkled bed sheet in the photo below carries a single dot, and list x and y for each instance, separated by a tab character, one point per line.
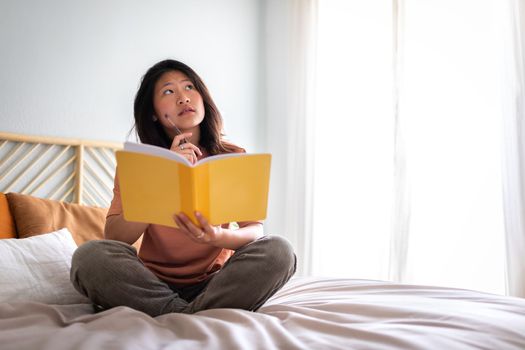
308	313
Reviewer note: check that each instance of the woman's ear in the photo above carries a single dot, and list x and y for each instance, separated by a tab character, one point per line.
154	118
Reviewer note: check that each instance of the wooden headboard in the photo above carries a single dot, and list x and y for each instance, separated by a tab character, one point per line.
70	170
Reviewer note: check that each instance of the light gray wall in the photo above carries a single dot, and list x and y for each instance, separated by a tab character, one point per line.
71	68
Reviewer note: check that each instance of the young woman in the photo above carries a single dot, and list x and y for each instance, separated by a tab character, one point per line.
192	267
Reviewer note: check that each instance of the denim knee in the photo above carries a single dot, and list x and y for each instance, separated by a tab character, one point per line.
280	253
91	257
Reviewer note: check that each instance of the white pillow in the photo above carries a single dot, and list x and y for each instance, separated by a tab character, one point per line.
37	269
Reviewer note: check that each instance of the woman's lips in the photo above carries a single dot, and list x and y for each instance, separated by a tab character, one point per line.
186	110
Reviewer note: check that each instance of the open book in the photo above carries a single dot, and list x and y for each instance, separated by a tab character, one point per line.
155	183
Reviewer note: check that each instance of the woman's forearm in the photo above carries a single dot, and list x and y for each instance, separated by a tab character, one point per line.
234	239
117	228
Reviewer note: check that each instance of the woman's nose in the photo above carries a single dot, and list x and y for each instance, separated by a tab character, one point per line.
183	100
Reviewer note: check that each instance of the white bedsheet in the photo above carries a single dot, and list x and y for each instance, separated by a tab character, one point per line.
308	313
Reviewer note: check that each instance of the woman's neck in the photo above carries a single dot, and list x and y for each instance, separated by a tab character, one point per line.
195	135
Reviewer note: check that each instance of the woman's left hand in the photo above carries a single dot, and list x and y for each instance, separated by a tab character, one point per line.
206	233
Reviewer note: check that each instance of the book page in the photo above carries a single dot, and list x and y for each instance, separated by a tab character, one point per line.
168	154
220	156
155	151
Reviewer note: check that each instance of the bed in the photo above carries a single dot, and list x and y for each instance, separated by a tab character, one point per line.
39	309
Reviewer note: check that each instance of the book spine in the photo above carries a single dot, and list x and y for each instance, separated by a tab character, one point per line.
201	189
186	192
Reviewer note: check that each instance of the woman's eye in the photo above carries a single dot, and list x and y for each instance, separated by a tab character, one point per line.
168	92
189	87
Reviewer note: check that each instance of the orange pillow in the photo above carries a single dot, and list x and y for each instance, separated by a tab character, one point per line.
7	225
34	216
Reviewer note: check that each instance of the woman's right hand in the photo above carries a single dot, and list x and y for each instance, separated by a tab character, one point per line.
187	149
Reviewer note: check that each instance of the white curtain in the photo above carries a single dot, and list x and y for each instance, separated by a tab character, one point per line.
514	142
450	112
408	185
354	137
401	201
300	130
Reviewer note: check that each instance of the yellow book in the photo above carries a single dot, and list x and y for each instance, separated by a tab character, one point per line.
155	183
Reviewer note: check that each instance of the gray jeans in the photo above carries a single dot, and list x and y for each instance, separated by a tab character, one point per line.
110	274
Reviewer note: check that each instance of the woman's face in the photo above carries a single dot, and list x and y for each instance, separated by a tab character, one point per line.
177	103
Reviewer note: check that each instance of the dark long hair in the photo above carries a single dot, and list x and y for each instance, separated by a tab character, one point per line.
152	133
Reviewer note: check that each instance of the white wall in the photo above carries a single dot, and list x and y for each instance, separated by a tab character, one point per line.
71	68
